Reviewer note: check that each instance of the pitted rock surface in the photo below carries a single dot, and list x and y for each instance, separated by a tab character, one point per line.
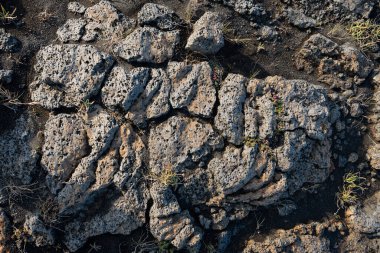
192	88
338	66
8	43
148	45
207	36
23	141
67	75
226	150
158	16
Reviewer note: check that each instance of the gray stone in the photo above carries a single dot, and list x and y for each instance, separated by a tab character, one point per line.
148	45
192	88
158	16
207	36
72	30
232	170
39	233
105	22
8	43
21	142
153	101
300	20
123	87
230	117
179	142
68	74
100	128
65	145
76	7
178	229
164	201
366	218
338	66
6	76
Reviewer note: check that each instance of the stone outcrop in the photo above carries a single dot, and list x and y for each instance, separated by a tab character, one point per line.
338	66
67	75
207	36
148	45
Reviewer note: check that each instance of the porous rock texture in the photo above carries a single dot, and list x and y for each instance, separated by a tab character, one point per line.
302	238
338	66
148	45
99	22
67	75
23	142
8	43
207	36
158	16
160	143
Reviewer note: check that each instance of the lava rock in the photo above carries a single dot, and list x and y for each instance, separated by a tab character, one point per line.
68	75
8	43
207	36
148	45
72	30
158	16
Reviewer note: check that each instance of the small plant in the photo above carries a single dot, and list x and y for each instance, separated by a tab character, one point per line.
229	35
353	185
167	177
21	237
45	15
217	73
365	32
165	247
11	100
210	248
251	142
94	247
260	47
7	16
86	105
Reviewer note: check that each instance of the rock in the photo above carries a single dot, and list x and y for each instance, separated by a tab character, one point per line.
297	18
148	45
177	229
373	155
366	218
376	78
230	117
65	145
105	22
207	36
39	233
338	66
179	142
72	30
195	9
299	239
268	33
123	87
5	231
353	158
219	220
233	170
164	201
100	129
6	76
126	214
158	16
68	74
21	142
192	88
76	7
247	8
153	101
8	43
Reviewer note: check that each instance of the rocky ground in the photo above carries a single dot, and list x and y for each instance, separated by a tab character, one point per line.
190	126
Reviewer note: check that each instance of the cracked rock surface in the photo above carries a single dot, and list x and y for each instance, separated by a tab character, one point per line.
143	129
